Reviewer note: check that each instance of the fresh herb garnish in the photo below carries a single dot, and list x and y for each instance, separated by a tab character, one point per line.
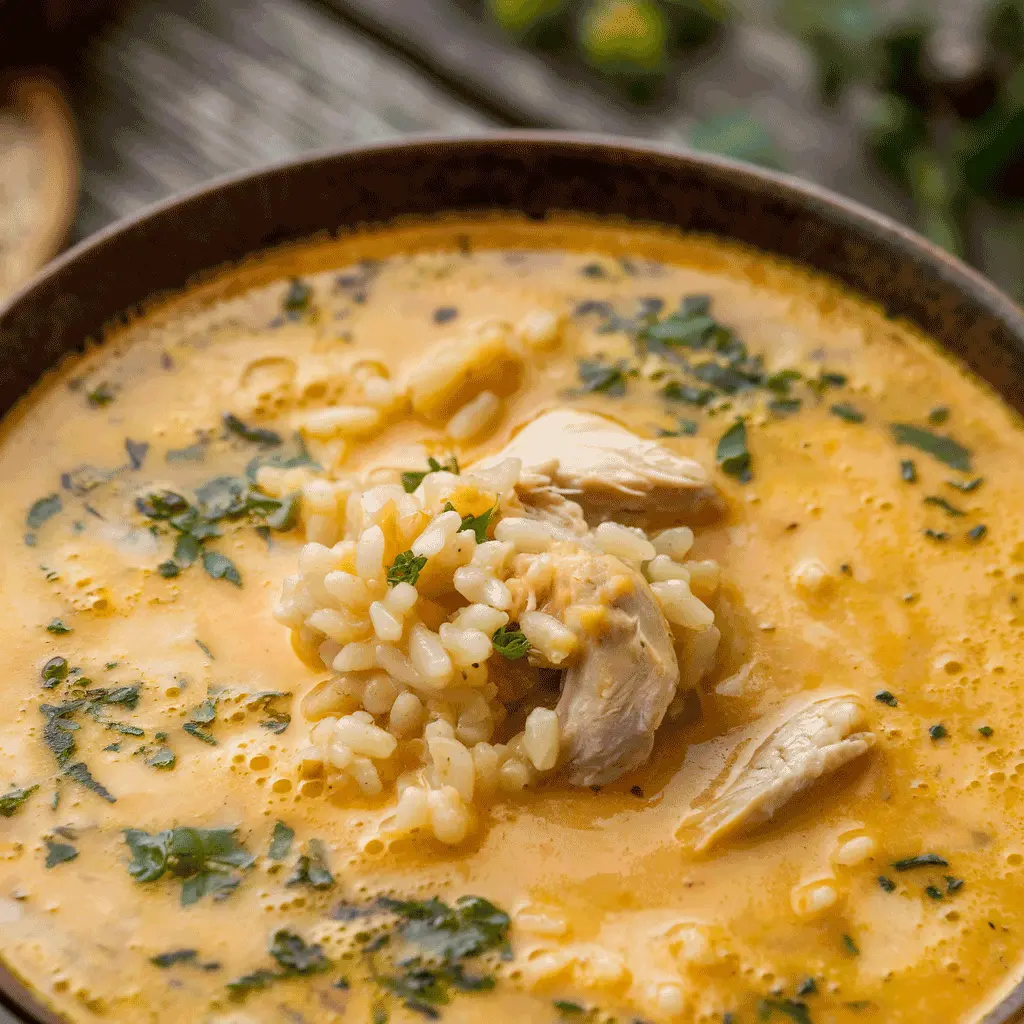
312	867
163	758
207	861
807	987
936	535
794	1009
977	533
953	884
478	524
732	453
281	841
277	720
949	509
945	449
298	298
684	428
887	884
101	395
406	568
510	642
885	697
42	510
472	927
198	732
58	627
567	1008
411	479
602	378
784	406
12	800
908	471
966	487
986	730
168	570
938	416
137	452
938	732
81	774
850	946
59	853
295	955
254	435
54	672
934	892
923	860
676	392
174	956
847	412
220	567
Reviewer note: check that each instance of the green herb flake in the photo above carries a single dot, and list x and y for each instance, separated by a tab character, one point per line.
220	567
784	406
12	800
411	479
58	627
847	412
966	486
885	697
937	535
312	868
406	568
54	672
254	435
794	1009
298	298
923	860
953	884
602	378
101	395
42	510
206	860
850	946
80	773
938	732
807	987
510	642
934	892
938	416
297	956
887	884
204	713
169	570
947	507
986	730
977	533
163	758
945	449
478	524
732	453
59	853
281	841
379	1014
195	730
255	981
567	1008
174	956
908	471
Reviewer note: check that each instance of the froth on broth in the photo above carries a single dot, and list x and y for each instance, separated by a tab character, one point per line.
209	817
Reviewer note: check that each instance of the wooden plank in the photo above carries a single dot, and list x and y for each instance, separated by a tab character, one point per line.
176	92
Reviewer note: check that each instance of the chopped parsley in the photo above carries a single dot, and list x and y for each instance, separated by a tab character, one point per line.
254	435
847	412
81	774
42	510
101	395
923	860
953	884
807	987
885	697
567	1008
195	730
312	868
977	533
938	732
602	378
297	299
174	956
676	392
938	416
220	567
887	884
12	800
163	758
406	568
947	507
207	860
54	672
795	1009
169	569
411	478
281	841
510	642
136	451
295	957
936	535
985	730
934	892
850	946
967	486
59	853
784	406
277	720
732	453
908	471
478	524
58	627
945	449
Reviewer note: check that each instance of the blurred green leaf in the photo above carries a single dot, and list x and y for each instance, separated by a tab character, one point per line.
694	22
526	19
625	38
738	135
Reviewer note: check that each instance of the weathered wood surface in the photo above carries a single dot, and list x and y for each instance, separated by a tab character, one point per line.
176	92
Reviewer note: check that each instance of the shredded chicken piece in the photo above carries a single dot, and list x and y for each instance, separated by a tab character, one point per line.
805	742
606	468
615	695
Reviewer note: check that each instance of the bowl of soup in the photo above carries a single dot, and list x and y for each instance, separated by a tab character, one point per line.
527	578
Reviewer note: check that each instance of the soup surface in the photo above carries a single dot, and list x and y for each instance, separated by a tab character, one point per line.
828	827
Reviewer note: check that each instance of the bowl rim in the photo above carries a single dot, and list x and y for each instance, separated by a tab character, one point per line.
24	1003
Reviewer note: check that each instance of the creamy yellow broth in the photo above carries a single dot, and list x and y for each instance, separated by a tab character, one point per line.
631	924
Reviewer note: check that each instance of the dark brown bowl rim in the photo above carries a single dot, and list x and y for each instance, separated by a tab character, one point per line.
845	213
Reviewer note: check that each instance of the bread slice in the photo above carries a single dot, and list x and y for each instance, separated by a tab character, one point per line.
38	177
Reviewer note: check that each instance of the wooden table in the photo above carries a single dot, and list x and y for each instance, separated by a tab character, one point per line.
174	92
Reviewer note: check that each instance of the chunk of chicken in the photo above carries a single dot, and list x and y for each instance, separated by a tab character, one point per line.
606	468
616	694
807	741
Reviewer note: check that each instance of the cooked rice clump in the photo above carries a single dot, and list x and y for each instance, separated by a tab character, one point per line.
411	610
